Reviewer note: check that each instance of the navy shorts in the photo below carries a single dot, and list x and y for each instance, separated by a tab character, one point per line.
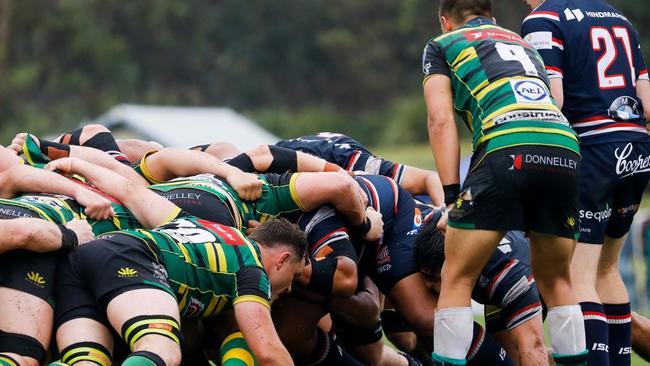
612	180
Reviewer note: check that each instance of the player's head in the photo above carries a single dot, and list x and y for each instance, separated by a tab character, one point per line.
533	3
430	254
454	13
283	247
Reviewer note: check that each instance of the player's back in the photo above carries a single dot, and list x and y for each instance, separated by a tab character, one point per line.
595	49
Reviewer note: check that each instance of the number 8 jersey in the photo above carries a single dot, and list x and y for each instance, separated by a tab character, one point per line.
500	87
596	50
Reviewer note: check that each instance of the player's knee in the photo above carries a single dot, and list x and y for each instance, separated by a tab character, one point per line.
10	359
22	349
86	353
159	335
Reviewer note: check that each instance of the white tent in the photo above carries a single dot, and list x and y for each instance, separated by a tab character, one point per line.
186	126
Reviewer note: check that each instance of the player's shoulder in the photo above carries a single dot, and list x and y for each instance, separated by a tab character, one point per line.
549	10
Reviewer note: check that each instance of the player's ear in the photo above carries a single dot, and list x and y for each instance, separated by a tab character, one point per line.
445	24
494	20
283	259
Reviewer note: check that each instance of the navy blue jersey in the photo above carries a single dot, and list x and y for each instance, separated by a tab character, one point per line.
345	152
596	50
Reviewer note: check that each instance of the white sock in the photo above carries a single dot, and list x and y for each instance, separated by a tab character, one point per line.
566	327
452	332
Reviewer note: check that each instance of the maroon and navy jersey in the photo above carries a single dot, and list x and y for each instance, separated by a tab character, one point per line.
596	50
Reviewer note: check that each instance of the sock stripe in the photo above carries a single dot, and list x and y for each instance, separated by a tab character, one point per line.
619	319
594	315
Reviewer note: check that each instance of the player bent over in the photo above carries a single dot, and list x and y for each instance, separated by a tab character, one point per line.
523	174
139	282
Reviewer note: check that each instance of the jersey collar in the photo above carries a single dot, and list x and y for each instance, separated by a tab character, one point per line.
479	21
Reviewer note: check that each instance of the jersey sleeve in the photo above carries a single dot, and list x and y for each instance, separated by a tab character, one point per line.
542	31
433	61
639	62
143	170
252	285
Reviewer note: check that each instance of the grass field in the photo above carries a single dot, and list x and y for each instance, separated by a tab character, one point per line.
421	156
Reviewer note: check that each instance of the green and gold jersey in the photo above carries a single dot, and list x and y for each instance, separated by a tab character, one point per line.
500	87
210	267
278	197
57	209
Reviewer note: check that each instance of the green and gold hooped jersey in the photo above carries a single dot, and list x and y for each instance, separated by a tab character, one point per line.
57	209
500	87
210	267
122	219
278	196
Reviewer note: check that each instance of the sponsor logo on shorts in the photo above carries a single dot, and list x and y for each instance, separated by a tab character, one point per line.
599	216
386	267
631	209
530	91
625	167
464	196
126	272
571	222
382	256
35	278
533	160
194	307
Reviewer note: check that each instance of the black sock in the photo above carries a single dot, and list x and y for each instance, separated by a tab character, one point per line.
328	352
619	319
486	351
597	333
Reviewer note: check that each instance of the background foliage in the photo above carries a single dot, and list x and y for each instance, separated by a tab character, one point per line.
296	66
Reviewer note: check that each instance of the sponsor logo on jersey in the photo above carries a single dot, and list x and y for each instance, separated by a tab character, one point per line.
530	91
386	267
599	216
35	278
6	212
194	307
574	14
540	40
160	273
495	34
126	272
537	115
625	167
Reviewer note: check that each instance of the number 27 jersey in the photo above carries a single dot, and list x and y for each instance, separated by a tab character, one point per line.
499	85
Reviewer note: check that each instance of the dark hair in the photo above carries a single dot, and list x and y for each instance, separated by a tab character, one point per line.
279	231
458	10
430	248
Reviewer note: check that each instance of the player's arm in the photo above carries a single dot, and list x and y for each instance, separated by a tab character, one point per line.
150	209
8	158
341	191
24	178
170	163
42	236
557	91
89	154
276	159
443	134
135	149
254	321
421	181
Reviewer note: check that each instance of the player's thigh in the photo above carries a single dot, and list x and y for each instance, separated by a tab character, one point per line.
141	302
25	314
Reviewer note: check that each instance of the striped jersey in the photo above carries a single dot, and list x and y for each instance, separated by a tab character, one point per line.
278	196
596	51
499	85
345	152
209	266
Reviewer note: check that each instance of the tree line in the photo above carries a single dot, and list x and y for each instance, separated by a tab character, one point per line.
295	66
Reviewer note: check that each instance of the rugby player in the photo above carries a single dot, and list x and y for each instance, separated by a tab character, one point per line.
523	174
135	281
598	77
349	154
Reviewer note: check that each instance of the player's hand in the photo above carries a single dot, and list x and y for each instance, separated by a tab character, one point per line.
82	229
442	223
251	226
96	206
247	185
376	225
18	142
64	165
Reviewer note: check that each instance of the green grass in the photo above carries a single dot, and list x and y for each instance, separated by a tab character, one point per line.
420	155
